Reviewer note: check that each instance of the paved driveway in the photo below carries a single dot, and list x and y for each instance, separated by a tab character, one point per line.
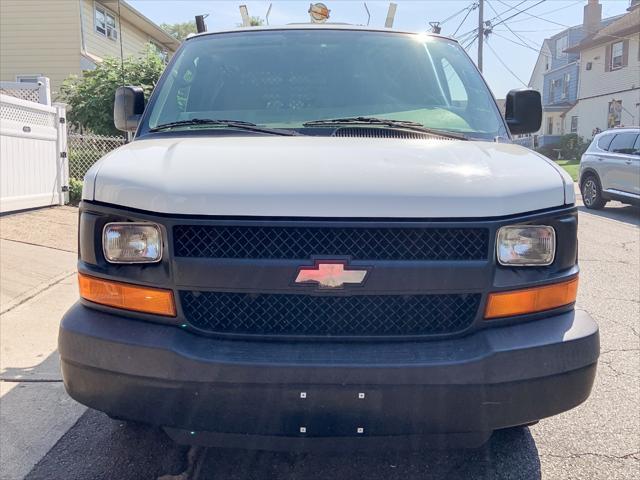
598	440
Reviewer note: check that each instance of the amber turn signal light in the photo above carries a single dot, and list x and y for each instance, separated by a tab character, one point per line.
126	296
531	300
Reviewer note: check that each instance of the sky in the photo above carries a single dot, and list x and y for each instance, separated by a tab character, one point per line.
509	55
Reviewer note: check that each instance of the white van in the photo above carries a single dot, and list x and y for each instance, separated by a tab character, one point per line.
321	235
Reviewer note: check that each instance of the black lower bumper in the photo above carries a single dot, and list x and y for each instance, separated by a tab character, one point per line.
271	394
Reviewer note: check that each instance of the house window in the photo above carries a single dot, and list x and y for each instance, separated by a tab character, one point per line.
561	45
105	22
617	52
574	124
615	113
565	85
550	126
556	85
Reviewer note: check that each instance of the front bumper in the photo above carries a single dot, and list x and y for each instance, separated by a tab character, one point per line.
268	394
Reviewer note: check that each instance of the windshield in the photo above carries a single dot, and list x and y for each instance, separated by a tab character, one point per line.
285	78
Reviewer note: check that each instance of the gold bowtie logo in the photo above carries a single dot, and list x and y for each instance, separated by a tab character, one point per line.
330	275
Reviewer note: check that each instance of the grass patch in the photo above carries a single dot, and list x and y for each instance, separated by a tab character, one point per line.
571	166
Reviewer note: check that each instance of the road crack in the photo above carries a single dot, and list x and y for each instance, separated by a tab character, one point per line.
627	456
614	350
37	291
37	245
31	380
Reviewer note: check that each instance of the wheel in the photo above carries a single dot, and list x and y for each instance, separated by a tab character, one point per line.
592	193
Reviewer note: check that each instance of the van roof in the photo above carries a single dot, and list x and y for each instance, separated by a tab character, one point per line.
318	26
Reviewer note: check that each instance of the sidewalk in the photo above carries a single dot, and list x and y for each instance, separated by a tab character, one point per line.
34	408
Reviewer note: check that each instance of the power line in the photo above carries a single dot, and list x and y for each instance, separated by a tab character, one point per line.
521	44
453	16
546	12
529	41
475	30
506	24
511	8
505	65
467	36
469	10
548	55
538	30
556	23
470	42
518	12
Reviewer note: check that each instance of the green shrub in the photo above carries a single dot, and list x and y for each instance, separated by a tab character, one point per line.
572	146
90	97
549	151
75	191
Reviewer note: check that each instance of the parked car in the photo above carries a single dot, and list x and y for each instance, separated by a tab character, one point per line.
321	235
610	168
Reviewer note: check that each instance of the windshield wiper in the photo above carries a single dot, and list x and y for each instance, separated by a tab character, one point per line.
384	122
239	124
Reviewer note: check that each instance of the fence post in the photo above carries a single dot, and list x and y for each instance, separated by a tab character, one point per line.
63	156
44	91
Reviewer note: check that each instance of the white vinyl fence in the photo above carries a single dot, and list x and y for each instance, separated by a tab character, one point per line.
34	171
38	92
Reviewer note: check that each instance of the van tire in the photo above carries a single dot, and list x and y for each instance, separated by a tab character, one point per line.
592	192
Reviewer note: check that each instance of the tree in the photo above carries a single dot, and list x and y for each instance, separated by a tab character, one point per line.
253	22
91	96
179	30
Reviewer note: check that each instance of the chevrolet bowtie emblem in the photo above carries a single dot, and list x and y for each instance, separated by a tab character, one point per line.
330	275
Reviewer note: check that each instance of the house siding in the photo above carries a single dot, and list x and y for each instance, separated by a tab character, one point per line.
598	87
39	37
44	37
559	74
134	41
537	76
575	35
598	81
593	113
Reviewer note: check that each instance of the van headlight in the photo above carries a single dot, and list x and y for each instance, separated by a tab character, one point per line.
526	245
132	242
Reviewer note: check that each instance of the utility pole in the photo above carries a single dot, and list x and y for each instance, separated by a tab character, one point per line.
480	32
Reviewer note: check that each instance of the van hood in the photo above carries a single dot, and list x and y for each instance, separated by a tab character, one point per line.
327	177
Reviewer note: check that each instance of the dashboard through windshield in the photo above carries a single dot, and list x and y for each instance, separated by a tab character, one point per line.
286	78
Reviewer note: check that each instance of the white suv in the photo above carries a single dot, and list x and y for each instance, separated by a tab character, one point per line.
610	168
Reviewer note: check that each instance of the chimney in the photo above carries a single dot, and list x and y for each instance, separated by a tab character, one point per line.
592	17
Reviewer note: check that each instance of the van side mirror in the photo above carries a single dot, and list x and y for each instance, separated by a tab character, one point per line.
523	111
128	108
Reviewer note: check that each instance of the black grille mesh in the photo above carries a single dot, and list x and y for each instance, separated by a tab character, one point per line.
368	315
214	241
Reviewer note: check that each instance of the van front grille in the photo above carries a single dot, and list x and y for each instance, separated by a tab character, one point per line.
304	242
325	315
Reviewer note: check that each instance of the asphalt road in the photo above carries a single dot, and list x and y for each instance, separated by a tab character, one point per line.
598	440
